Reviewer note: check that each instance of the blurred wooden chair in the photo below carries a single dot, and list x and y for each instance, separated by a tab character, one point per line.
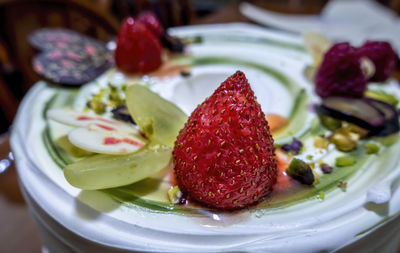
19	18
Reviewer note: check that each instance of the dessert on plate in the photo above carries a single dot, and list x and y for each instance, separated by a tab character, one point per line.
241	141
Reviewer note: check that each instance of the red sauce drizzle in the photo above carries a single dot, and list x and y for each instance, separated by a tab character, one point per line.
114	141
84	118
106	120
105	127
97	118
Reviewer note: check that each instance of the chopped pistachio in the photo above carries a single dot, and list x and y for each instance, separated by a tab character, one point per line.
321	142
329	122
309	157
174	195
344	140
342	185
97	106
301	171
316	176
343	161
322	195
361	132
99	95
116	99
371	148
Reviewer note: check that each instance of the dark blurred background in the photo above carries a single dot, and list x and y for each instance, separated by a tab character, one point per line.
100	19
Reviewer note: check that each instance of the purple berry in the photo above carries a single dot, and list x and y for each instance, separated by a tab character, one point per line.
326	169
286	147
382	55
294	147
340	73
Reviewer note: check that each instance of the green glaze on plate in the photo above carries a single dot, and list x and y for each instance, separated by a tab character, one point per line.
151	193
54	151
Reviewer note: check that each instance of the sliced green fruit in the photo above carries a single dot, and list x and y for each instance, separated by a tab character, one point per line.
157	118
108	171
316	44
382	96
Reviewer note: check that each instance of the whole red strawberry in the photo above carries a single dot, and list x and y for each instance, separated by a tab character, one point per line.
151	21
382	55
224	156
340	73
138	49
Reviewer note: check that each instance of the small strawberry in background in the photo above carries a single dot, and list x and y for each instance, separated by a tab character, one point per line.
140	41
174	44
150	20
224	156
138	49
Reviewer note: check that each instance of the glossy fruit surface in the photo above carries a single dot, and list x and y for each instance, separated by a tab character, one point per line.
138	49
224	156
151	21
382	55
340	73
108	171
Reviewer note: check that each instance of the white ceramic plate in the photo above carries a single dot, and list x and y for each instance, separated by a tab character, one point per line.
273	63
